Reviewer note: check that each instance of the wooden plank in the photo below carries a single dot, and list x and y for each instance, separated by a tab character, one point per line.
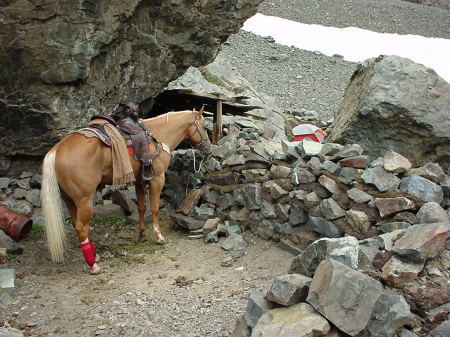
217	129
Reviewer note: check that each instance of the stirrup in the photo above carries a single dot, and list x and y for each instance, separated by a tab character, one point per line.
153	174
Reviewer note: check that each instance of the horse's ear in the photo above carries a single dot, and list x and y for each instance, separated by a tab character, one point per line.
201	110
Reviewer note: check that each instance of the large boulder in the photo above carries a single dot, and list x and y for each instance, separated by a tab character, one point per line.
74	59
394	103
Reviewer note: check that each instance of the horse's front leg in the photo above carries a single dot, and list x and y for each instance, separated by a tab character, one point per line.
140	197
156	186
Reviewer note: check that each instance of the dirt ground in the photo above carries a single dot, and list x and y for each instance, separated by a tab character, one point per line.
185	288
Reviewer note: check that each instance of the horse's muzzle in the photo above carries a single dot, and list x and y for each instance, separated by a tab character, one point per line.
205	148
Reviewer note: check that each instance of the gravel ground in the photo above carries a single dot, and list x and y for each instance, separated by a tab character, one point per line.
299	79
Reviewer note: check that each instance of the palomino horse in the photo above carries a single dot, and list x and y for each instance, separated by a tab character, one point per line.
77	165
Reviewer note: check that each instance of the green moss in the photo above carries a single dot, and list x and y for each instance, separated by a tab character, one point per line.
37	229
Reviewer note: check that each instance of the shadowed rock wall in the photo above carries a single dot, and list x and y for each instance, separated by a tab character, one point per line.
63	61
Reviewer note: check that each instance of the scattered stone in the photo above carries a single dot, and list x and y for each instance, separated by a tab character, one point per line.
252	196
388	206
289	247
311	200
432	212
309	148
330	149
386	241
210	225
423	241
422	188
394	162
277	171
383	180
299	320
233	160
344	250
289	289
399	271
234	242
360	161
331	209
344	296
347	175
324	227
242	329
359	196
257	305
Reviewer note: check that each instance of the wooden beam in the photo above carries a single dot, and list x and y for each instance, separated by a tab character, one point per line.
217	129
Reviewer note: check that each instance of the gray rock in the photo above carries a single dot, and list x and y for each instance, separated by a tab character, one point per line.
373	120
225	201
297	216
214	164
344	250
324	227
442	330
309	148
393	226
233	160
344	296
315	164
430	171
348	150
299	320
283	228
331	209
11	246
391	312
388	206
20	193
330	149
406	333
242	329
422	188
268	210
4	182
329	184
366	256
445	185
331	167
386	241
282	211
223	151
423	241
359	196
311	199
252	196
257	305
234	242
8	280
348	175
302	176
289	289
278	171
432	212
383	180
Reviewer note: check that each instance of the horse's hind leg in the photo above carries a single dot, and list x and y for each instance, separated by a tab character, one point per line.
140	196
156	186
85	211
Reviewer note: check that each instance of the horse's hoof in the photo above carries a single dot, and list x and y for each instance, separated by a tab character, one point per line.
160	240
142	238
96	270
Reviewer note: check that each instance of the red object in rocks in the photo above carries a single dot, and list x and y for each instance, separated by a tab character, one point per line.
14	224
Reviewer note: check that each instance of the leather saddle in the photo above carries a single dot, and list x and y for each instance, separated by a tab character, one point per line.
138	137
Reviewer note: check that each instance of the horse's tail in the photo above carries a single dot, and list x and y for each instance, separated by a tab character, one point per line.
52	209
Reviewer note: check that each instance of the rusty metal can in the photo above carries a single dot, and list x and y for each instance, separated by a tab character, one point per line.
14	224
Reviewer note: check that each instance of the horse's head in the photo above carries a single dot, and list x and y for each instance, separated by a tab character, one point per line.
197	135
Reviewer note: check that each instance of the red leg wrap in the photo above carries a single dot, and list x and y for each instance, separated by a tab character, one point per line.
89	253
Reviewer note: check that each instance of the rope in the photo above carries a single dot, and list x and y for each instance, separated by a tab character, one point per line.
195	170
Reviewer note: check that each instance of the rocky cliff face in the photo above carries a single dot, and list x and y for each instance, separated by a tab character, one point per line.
63	61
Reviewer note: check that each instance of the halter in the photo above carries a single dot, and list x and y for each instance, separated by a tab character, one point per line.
204	139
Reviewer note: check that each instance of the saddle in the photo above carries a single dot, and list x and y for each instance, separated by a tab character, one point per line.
137	136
